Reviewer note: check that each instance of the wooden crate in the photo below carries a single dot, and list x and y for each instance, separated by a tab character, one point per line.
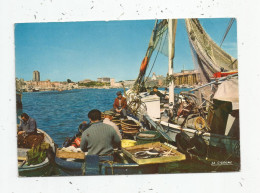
129	151
74	155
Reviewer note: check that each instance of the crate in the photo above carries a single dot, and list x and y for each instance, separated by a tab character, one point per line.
127	143
130	151
75	155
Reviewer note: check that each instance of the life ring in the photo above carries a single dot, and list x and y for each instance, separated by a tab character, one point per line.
144	64
199	123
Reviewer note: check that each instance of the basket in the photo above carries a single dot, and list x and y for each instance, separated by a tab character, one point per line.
129	124
132	131
143	140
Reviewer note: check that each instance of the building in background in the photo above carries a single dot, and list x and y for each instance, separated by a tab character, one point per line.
36	76
104	79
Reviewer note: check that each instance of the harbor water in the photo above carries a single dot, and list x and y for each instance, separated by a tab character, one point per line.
59	113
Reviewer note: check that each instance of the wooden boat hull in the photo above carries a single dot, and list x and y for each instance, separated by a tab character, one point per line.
225	146
41	169
93	165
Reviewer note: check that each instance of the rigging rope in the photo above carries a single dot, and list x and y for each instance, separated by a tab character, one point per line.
156	55
227	30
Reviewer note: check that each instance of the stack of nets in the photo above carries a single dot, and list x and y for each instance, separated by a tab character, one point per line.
30	141
130	127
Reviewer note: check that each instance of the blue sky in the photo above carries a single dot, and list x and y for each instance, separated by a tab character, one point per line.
88	50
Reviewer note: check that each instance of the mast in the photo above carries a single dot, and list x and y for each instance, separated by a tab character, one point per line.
172	24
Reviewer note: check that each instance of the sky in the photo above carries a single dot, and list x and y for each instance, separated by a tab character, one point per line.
93	49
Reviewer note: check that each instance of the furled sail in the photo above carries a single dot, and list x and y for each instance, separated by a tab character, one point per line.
208	57
157	40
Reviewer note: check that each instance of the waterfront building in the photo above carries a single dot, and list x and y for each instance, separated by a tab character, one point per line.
85	81
188	77
36	75
103	79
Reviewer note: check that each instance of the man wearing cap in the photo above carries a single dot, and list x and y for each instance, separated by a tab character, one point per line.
108	116
27	125
120	104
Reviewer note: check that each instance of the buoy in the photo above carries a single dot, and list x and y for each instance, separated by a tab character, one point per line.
199	123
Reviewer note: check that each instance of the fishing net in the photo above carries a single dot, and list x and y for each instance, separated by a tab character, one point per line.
30	140
159	42
208	57
161	38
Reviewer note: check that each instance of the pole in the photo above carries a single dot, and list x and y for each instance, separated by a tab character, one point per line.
172	24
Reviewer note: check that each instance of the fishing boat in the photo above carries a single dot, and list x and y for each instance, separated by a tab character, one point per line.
72	161
19	94
122	162
42	168
19	104
203	122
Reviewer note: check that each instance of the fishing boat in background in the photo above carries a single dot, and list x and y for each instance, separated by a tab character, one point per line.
203	122
19	94
25	168
19	104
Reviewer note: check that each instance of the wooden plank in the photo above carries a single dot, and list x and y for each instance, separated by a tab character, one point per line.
129	151
22	158
74	155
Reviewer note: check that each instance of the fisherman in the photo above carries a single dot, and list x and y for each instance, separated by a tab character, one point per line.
73	140
155	91
99	138
108	116
27	125
120	105
82	127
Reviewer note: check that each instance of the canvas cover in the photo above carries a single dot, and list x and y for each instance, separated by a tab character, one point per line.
228	91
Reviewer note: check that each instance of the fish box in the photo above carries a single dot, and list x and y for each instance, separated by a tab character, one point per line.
173	154
75	155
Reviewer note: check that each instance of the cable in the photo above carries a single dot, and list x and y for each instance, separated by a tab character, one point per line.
228	28
156	56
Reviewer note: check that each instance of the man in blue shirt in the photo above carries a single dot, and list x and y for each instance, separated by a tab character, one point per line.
27	125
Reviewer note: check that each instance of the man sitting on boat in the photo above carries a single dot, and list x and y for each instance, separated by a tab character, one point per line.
99	138
155	91
108	116
27	132
27	125
120	104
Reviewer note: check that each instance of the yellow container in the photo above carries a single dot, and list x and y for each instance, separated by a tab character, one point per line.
127	143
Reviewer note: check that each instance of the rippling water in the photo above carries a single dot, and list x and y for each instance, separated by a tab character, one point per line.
60	113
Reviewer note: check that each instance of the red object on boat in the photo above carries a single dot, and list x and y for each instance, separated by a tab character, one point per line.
77	141
144	64
223	74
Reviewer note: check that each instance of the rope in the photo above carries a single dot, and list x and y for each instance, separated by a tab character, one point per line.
156	55
227	30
